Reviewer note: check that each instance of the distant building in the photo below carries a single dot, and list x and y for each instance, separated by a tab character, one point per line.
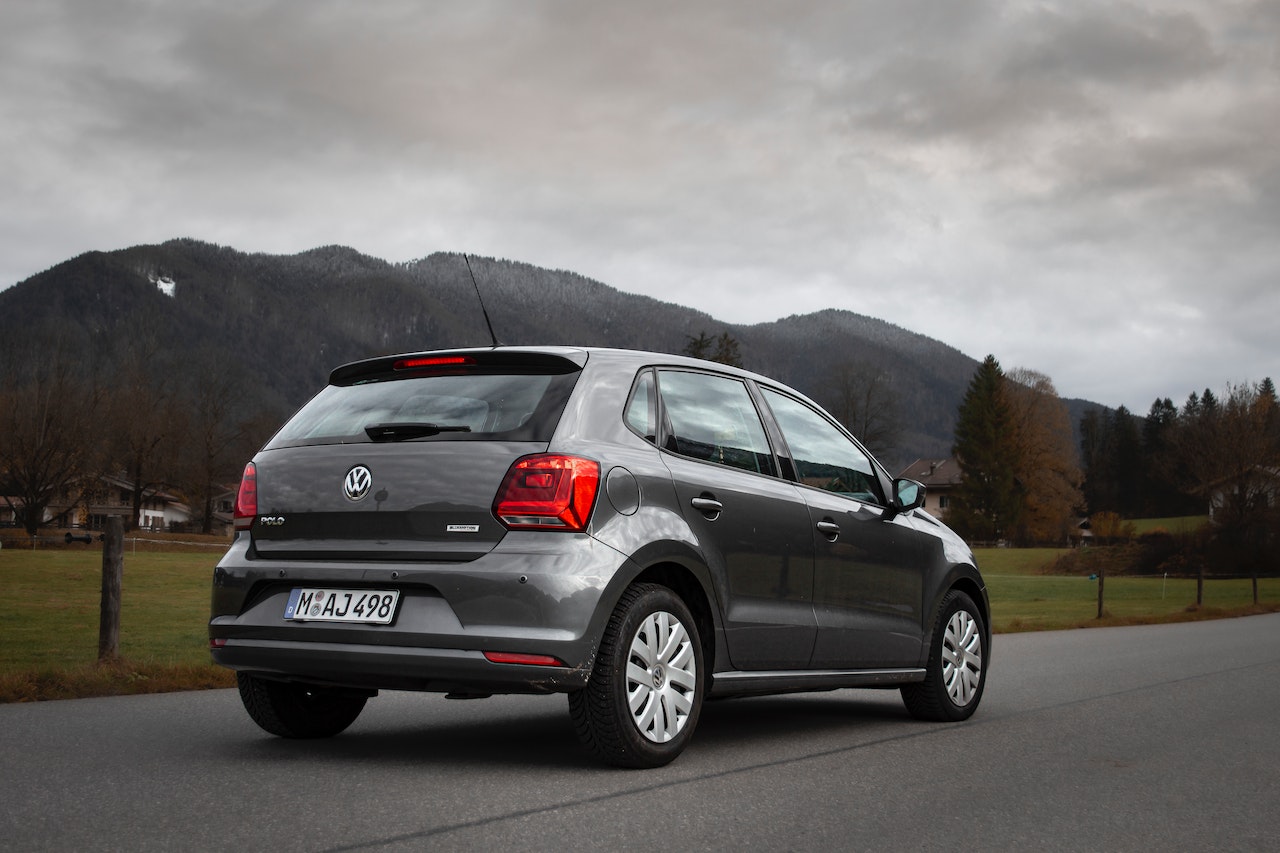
939	478
224	505
1257	487
8	518
90	507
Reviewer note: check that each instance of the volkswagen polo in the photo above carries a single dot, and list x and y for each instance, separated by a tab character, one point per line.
639	531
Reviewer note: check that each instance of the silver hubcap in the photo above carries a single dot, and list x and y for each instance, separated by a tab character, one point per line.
662	675
962	658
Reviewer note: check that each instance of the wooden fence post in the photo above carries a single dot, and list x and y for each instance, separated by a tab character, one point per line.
112	573
1102	577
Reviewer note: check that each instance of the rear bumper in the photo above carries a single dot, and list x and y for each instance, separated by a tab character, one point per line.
394	668
534	593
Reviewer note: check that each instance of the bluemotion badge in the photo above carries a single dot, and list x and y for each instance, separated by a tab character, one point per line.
462	528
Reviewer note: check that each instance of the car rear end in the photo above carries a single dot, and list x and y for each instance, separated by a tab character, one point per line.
410	528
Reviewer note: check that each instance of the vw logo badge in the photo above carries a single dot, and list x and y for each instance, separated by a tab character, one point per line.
357	484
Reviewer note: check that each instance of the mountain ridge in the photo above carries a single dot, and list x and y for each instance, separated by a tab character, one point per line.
286	320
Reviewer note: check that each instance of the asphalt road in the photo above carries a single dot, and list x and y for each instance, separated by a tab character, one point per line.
1164	737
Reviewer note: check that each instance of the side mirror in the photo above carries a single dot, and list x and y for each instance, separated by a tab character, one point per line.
907	495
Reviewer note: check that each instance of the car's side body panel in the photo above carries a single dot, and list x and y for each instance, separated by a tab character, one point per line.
868	584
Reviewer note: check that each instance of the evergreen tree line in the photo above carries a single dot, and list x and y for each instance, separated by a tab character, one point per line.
1024	483
1177	461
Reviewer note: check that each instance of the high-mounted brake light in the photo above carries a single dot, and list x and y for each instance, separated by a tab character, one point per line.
549	491
432	361
247	498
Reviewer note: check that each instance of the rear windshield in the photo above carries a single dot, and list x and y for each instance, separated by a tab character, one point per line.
489	405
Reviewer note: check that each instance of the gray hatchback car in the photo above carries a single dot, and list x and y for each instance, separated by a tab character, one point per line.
639	531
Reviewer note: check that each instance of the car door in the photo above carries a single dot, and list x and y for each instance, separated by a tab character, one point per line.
869	563
752	526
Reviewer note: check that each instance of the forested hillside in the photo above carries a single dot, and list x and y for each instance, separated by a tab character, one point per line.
276	325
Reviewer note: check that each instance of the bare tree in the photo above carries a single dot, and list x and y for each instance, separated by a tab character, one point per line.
221	433
47	448
144	420
861	396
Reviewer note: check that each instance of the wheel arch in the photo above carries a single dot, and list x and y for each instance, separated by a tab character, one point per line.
966	579
685	583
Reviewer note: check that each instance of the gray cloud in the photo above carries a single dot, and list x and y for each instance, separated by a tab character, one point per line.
1088	189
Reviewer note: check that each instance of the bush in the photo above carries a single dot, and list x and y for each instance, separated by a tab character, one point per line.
1109	527
1220	552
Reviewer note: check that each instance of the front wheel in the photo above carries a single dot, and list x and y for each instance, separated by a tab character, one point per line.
642	703
297	710
956	671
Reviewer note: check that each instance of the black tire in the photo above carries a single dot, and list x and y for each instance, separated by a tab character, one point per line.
650	658
956	672
297	710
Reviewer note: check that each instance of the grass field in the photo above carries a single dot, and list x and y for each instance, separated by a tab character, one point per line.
49	614
49	624
1025	599
1181	524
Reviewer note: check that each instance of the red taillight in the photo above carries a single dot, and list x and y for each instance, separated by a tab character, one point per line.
548	492
432	361
528	660
247	498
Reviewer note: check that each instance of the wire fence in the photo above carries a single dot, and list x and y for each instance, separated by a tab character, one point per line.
93	539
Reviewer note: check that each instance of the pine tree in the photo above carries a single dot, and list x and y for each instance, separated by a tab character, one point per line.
1127	463
1096	440
699	347
987	503
1161	482
727	350
724	349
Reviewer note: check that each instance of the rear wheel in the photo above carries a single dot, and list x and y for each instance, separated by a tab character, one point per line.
956	672
642	703
298	710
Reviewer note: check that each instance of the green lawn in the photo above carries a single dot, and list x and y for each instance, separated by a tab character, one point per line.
49	614
1182	524
1023	599
49	609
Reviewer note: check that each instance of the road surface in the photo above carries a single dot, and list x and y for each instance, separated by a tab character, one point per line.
1103	739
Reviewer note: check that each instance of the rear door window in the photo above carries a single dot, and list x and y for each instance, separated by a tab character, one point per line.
712	418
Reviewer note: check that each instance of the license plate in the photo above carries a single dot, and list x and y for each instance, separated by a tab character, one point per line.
369	606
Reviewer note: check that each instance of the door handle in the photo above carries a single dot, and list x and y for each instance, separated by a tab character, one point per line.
710	507
829	529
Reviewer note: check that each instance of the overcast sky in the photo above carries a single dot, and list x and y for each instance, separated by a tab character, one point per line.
1091	190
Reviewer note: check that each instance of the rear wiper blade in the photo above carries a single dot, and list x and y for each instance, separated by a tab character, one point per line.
402	431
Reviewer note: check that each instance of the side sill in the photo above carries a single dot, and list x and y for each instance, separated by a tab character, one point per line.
739	683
